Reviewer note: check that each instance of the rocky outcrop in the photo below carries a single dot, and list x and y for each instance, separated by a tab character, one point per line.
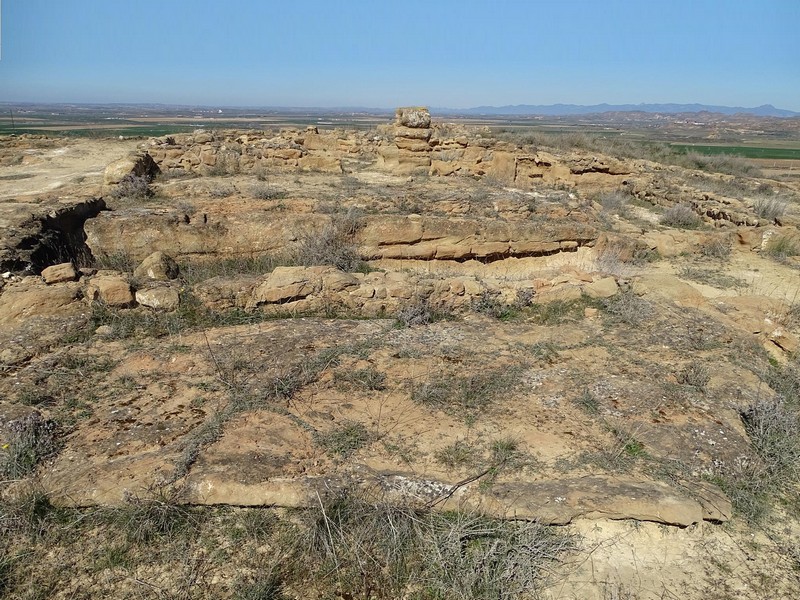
35	236
111	289
325	289
161	297
409	149
138	165
138	232
432	238
31	297
227	153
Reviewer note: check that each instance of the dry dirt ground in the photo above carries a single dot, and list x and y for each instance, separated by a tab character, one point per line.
604	349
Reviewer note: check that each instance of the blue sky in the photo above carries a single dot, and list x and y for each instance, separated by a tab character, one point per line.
382	53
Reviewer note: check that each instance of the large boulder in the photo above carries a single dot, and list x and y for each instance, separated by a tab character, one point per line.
139	165
31	298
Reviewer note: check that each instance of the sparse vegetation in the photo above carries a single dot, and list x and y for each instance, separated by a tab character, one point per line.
344	439
368	378
770	208
334	245
588	402
695	375
681	216
782	246
133	187
265	191
32	439
716	247
468	394
615	202
628	308
458	454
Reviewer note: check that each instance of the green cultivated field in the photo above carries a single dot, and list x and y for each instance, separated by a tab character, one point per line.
743	151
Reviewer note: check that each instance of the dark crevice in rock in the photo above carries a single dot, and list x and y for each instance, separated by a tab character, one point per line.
53	238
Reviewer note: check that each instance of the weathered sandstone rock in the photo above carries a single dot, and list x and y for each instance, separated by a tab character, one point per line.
157	266
415	117
59	273
140	165
113	290
162	298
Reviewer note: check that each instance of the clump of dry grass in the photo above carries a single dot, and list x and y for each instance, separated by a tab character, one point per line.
681	216
770	208
334	245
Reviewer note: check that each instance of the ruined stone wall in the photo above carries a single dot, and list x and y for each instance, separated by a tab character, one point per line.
217	152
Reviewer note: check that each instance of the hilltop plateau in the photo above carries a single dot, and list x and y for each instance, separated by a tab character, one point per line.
423	359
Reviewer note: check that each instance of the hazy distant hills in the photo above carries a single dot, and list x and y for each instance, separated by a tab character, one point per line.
552	110
548	110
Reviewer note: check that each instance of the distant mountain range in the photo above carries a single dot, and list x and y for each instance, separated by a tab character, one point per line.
552	110
549	110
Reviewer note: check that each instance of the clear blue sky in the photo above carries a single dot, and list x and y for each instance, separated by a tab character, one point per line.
383	53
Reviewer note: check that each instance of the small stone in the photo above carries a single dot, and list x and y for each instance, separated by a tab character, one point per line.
158	266
602	288
113	290
590	313
162	298
59	273
104	330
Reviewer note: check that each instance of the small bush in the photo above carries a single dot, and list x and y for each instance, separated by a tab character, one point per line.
628	308
146	519
695	375
221	191
32	438
133	187
588	402
117	261
458	454
227	164
367	550
773	472
30	512
368	378
197	271
265	191
265	587
416	313
681	216
490	304
770	208
782	246
615	202
333	246
545	352
468	394
716	248
345	439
